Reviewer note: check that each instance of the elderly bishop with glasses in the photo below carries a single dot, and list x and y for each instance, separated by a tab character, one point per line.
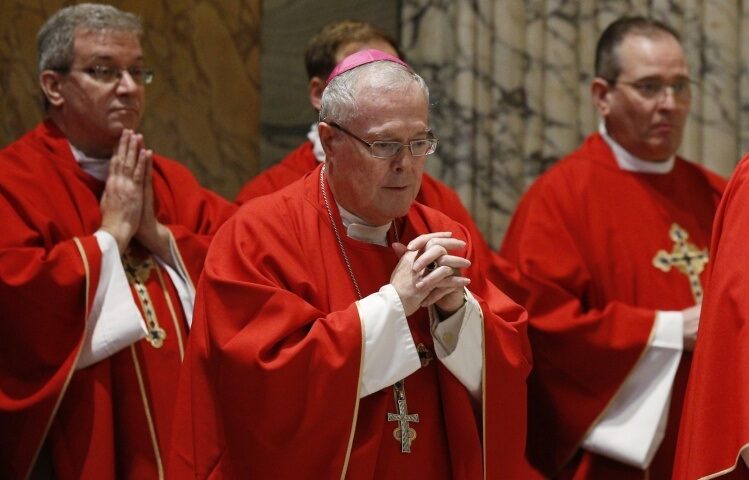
341	329
613	244
102	243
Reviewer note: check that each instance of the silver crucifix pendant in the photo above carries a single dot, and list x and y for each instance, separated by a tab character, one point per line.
403	432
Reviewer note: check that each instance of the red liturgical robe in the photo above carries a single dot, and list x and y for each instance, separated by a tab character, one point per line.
585	237
112	419
270	387
714	428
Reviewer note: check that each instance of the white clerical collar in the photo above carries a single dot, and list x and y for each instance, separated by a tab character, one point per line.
96	167
314	136
629	162
358	229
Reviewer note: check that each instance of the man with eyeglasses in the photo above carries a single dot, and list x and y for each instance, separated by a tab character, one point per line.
342	330
102	243
612	243
334	42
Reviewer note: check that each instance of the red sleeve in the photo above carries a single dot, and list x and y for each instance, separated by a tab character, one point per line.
45	293
713	429
258	358
582	354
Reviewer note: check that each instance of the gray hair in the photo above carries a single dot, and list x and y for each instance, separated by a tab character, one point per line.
339	99
55	38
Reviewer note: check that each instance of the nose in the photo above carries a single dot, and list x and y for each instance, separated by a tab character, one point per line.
403	160
126	83
668	99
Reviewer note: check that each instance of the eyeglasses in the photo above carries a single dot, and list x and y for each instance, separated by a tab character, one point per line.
656	89
109	75
379	149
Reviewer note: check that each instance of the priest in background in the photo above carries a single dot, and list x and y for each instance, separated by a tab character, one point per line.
102	243
341	329
612	242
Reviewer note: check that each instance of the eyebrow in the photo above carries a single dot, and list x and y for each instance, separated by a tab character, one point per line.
109	58
659	78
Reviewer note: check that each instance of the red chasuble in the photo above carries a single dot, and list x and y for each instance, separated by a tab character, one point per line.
714	427
433	193
271	379
112	419
585	237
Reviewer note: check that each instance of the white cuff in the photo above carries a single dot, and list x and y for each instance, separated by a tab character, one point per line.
114	321
634	424
669	330
389	351
458	343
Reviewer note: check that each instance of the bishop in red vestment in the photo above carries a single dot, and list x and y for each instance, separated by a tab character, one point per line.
310	356
94	342
714	433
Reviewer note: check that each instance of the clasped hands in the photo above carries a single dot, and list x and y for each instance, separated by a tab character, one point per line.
427	274
126	205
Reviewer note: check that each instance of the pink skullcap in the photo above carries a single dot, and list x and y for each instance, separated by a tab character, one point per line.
362	58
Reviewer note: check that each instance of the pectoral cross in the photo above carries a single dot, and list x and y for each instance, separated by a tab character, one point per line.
138	274
686	257
403	432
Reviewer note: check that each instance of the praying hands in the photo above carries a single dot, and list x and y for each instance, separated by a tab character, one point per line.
127	207
426	274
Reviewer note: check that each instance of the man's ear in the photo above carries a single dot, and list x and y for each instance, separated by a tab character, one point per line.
51	84
600	90
326	137
316	86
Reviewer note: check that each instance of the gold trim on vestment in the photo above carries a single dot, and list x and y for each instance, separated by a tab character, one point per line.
172	311
180	262
356	405
149	417
87	270
137	276
727	470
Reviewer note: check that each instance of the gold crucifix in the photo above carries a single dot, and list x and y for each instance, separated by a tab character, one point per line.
686	257
403	432
138	273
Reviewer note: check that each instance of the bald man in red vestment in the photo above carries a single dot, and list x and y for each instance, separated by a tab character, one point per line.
612	242
102	243
341	329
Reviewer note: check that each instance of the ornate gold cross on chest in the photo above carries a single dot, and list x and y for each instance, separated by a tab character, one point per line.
138	272
686	257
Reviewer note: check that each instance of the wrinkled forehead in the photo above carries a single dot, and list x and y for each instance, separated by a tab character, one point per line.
106	43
